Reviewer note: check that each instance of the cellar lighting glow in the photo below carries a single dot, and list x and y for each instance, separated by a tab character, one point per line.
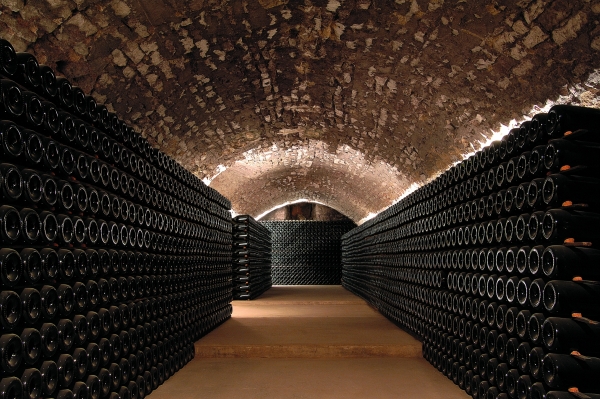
289	203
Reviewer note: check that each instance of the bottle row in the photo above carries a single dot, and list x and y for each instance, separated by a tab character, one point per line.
63	164
27	227
31	267
28	306
21	186
552	262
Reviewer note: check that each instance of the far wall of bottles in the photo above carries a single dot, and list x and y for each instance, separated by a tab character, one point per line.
307	252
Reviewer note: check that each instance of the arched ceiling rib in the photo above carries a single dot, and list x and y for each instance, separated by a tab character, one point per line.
410	83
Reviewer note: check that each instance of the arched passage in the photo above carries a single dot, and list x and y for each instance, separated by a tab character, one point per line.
341	178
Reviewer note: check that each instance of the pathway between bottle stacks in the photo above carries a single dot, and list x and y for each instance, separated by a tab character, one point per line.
307	342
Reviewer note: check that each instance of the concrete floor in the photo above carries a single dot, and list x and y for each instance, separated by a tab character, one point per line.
307	342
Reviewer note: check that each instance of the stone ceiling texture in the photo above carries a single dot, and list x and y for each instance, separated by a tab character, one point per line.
346	102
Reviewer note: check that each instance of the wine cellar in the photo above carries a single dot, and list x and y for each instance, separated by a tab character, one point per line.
320	199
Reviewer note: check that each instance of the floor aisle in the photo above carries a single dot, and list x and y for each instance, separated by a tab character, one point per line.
307	342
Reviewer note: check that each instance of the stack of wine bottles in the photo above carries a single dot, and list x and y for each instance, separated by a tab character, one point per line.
114	259
307	252
251	258
494	264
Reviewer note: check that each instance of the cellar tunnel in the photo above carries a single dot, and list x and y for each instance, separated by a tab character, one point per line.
309	159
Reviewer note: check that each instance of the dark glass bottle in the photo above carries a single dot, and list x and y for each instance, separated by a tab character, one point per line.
12	182
564	118
563	154
33	115
52	122
564	190
11	268
31	379
8	59
32	265
32	186
11	99
31	306
11	140
565	371
31	225
561	262
568	297
49	86
11	387
11	351
560	225
566	335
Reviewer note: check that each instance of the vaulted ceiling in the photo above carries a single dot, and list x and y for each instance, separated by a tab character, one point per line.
348	103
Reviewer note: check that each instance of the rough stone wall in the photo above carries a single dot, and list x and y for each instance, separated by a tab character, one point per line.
410	83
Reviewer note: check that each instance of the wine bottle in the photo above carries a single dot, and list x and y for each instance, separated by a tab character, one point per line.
561	154
66	370
50	302
28	71
80	360
32	383
31	341
11	351
31	225
8	59
49	85
538	129
12	182
11	140
32	186
80	390
66	164
105	380
568	297
564	118
115	376
49	339
566	335
65	93
11	268
33	115
11	99
31	305
559	225
49	372
560	262
559	189
565	371
66	195
32	265
79	102
11	387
